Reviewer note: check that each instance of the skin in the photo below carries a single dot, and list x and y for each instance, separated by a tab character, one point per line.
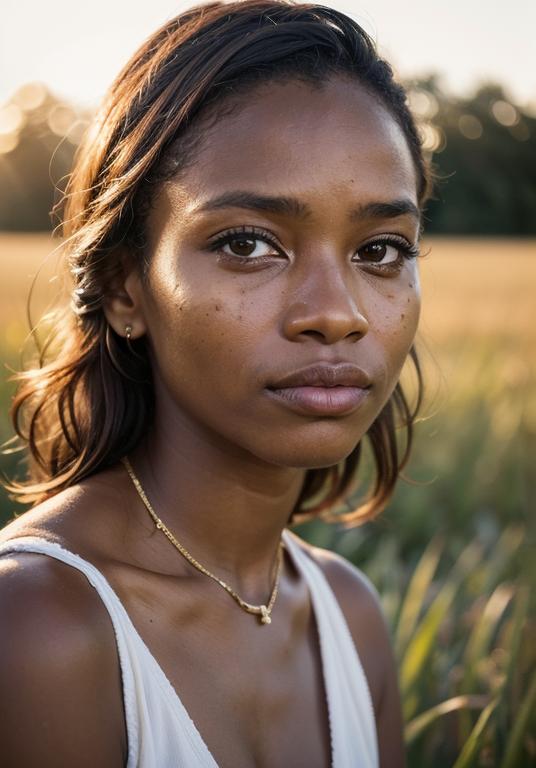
223	463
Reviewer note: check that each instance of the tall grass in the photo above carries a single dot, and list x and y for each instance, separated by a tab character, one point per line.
453	556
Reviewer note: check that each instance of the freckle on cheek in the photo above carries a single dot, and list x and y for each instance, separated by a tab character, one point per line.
402	316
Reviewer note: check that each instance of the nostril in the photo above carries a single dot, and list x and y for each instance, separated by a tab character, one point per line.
323	322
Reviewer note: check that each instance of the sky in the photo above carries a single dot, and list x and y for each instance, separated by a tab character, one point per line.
77	48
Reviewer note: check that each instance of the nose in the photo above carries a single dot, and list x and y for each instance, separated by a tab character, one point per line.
326	308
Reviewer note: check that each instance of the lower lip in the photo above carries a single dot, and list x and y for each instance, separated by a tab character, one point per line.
321	401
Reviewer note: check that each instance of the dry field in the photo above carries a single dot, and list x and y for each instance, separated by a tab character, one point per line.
25	258
479	287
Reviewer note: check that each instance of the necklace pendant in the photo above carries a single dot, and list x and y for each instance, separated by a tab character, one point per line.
262	611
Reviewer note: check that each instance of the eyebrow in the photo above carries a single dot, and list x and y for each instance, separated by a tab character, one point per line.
290	206
285	206
386	210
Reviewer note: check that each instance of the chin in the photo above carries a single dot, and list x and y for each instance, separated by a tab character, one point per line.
312	454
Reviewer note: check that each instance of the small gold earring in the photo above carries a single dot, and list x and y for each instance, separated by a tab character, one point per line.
128	332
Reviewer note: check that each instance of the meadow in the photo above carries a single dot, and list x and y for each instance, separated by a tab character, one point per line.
453	555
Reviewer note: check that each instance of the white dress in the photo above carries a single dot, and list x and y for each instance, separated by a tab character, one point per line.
161	733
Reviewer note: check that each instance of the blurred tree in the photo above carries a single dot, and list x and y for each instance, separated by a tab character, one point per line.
484	153
38	139
483	149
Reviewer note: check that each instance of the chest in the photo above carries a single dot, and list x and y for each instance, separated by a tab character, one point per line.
256	693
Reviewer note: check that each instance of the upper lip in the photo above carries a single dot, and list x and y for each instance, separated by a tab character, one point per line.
325	375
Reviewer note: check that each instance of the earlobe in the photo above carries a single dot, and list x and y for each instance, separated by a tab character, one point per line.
122	306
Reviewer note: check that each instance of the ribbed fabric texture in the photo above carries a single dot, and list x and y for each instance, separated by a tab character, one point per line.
160	732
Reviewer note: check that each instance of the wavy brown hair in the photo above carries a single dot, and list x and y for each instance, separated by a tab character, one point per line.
90	400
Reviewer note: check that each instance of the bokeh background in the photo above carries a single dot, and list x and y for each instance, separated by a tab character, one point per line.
453	555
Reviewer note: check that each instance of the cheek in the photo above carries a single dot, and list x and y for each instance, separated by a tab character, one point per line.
395	323
406	311
198	332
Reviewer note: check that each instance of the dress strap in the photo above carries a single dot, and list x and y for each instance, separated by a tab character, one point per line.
117	615
351	712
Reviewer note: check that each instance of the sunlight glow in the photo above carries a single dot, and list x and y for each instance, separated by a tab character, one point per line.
470	127
77	49
11	119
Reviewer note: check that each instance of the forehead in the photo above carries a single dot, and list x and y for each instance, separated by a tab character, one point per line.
306	140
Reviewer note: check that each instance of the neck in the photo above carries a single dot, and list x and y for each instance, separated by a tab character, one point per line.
225	506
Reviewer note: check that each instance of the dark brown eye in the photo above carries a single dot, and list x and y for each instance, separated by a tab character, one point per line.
378	253
242	246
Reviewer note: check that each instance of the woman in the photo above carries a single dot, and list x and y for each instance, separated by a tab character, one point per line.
242	226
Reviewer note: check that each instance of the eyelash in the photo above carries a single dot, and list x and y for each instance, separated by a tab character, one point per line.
407	251
255	233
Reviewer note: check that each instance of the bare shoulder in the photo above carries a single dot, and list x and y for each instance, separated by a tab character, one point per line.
84	517
355	592
61	698
361	606
38	590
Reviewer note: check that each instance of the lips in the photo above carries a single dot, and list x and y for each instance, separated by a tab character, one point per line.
325	375
322	389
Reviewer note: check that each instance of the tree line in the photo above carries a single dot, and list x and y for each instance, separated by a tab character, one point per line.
483	151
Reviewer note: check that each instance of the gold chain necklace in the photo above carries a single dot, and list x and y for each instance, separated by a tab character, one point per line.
263	611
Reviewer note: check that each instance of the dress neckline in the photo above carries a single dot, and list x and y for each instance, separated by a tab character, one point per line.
168	690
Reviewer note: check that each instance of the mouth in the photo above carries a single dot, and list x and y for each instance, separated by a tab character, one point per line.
320	401
323	389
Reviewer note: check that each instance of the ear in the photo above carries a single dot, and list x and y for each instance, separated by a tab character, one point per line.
123	305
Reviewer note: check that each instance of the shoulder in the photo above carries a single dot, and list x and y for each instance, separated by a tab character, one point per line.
59	671
52	613
354	591
361	606
37	588
88	518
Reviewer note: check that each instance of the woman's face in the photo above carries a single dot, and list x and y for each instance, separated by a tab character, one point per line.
284	245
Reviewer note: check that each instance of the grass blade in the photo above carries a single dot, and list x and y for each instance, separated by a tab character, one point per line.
514	746
474	742
422	643
482	633
515	631
503	551
416	594
420	723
